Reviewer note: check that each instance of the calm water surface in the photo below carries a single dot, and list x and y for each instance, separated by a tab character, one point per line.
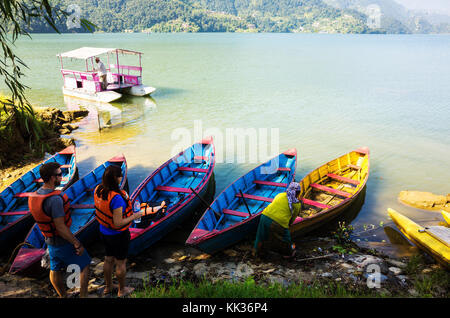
326	95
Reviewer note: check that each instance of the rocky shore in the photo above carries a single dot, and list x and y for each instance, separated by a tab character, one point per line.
425	200
316	263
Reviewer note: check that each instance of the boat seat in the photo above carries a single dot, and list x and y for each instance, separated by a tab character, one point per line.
315	203
192	169
41	181
23	194
330	190
82	206
255	197
235	213
284	169
65	166
269	183
200	158
354	167
343	179
172	189
9	213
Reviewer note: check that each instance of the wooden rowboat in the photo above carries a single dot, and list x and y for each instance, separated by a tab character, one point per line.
331	189
434	240
84	224
235	213
172	183
15	217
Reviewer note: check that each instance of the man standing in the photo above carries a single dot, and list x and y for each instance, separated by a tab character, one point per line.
51	211
101	69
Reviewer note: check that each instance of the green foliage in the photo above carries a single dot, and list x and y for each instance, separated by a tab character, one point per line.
246	289
211	16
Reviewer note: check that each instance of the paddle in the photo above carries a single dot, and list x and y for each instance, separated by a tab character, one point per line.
245	202
208	206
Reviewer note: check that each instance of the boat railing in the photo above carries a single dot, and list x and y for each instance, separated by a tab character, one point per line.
80	79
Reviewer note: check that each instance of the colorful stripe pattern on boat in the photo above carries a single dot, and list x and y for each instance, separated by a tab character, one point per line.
235	213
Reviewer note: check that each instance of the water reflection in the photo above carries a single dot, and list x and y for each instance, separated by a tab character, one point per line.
109	122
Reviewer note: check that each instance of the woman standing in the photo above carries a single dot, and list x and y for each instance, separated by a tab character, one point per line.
115	214
273	229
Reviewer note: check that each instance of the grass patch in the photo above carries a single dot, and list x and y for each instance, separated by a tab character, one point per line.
249	289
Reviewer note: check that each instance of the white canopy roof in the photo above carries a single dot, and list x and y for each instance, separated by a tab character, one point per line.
87	52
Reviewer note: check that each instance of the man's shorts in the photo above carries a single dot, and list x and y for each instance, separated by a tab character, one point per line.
116	245
64	255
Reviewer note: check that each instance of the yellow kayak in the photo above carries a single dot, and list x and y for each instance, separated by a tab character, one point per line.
446	216
433	240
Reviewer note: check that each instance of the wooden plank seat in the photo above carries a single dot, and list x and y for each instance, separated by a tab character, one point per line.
315	203
192	169
235	213
254	197
355	167
9	213
65	166
343	179
269	183
82	206
23	194
200	158
173	189
284	169
330	190
41	181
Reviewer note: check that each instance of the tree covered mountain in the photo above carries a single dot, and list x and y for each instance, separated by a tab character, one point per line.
308	16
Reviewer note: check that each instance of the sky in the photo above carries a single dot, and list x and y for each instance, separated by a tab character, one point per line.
439	6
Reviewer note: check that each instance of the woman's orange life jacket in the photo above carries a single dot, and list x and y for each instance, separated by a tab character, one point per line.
45	222
104	214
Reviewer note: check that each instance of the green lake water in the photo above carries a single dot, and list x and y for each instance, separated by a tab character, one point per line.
323	94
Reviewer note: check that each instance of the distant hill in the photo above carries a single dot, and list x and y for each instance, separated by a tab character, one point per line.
302	16
397	19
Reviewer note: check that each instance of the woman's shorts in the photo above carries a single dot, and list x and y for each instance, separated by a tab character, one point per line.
116	245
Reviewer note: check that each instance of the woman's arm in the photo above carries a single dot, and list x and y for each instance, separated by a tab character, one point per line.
119	221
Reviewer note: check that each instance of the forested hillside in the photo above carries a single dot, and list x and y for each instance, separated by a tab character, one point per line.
309	16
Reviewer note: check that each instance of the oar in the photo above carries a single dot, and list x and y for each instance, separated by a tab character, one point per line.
245	202
208	206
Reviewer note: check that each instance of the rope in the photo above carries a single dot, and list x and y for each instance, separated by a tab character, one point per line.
5	267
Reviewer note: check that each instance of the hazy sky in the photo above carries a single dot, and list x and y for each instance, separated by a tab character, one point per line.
440	6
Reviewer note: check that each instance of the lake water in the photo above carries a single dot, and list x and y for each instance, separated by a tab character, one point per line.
323	94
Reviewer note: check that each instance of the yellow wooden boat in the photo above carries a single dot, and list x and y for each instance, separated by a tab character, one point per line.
434	239
331	189
446	216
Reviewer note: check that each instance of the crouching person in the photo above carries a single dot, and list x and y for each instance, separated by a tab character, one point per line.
51	211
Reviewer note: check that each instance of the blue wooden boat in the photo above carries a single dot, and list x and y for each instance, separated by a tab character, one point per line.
172	183
15	217
235	213
84	224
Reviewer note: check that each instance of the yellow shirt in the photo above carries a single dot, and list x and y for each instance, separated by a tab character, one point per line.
279	210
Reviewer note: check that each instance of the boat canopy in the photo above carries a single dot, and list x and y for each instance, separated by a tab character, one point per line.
85	53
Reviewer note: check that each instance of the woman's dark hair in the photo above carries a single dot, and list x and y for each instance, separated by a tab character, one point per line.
109	182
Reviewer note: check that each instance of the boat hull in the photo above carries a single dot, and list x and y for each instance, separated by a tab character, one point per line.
139	90
177	213
208	237
422	239
105	96
14	228
84	224
315	181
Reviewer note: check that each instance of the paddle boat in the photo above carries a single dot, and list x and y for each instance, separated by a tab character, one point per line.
235	213
182	182
330	190
120	78
84	224
15	217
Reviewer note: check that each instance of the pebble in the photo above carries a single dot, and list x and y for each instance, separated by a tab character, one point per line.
395	270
